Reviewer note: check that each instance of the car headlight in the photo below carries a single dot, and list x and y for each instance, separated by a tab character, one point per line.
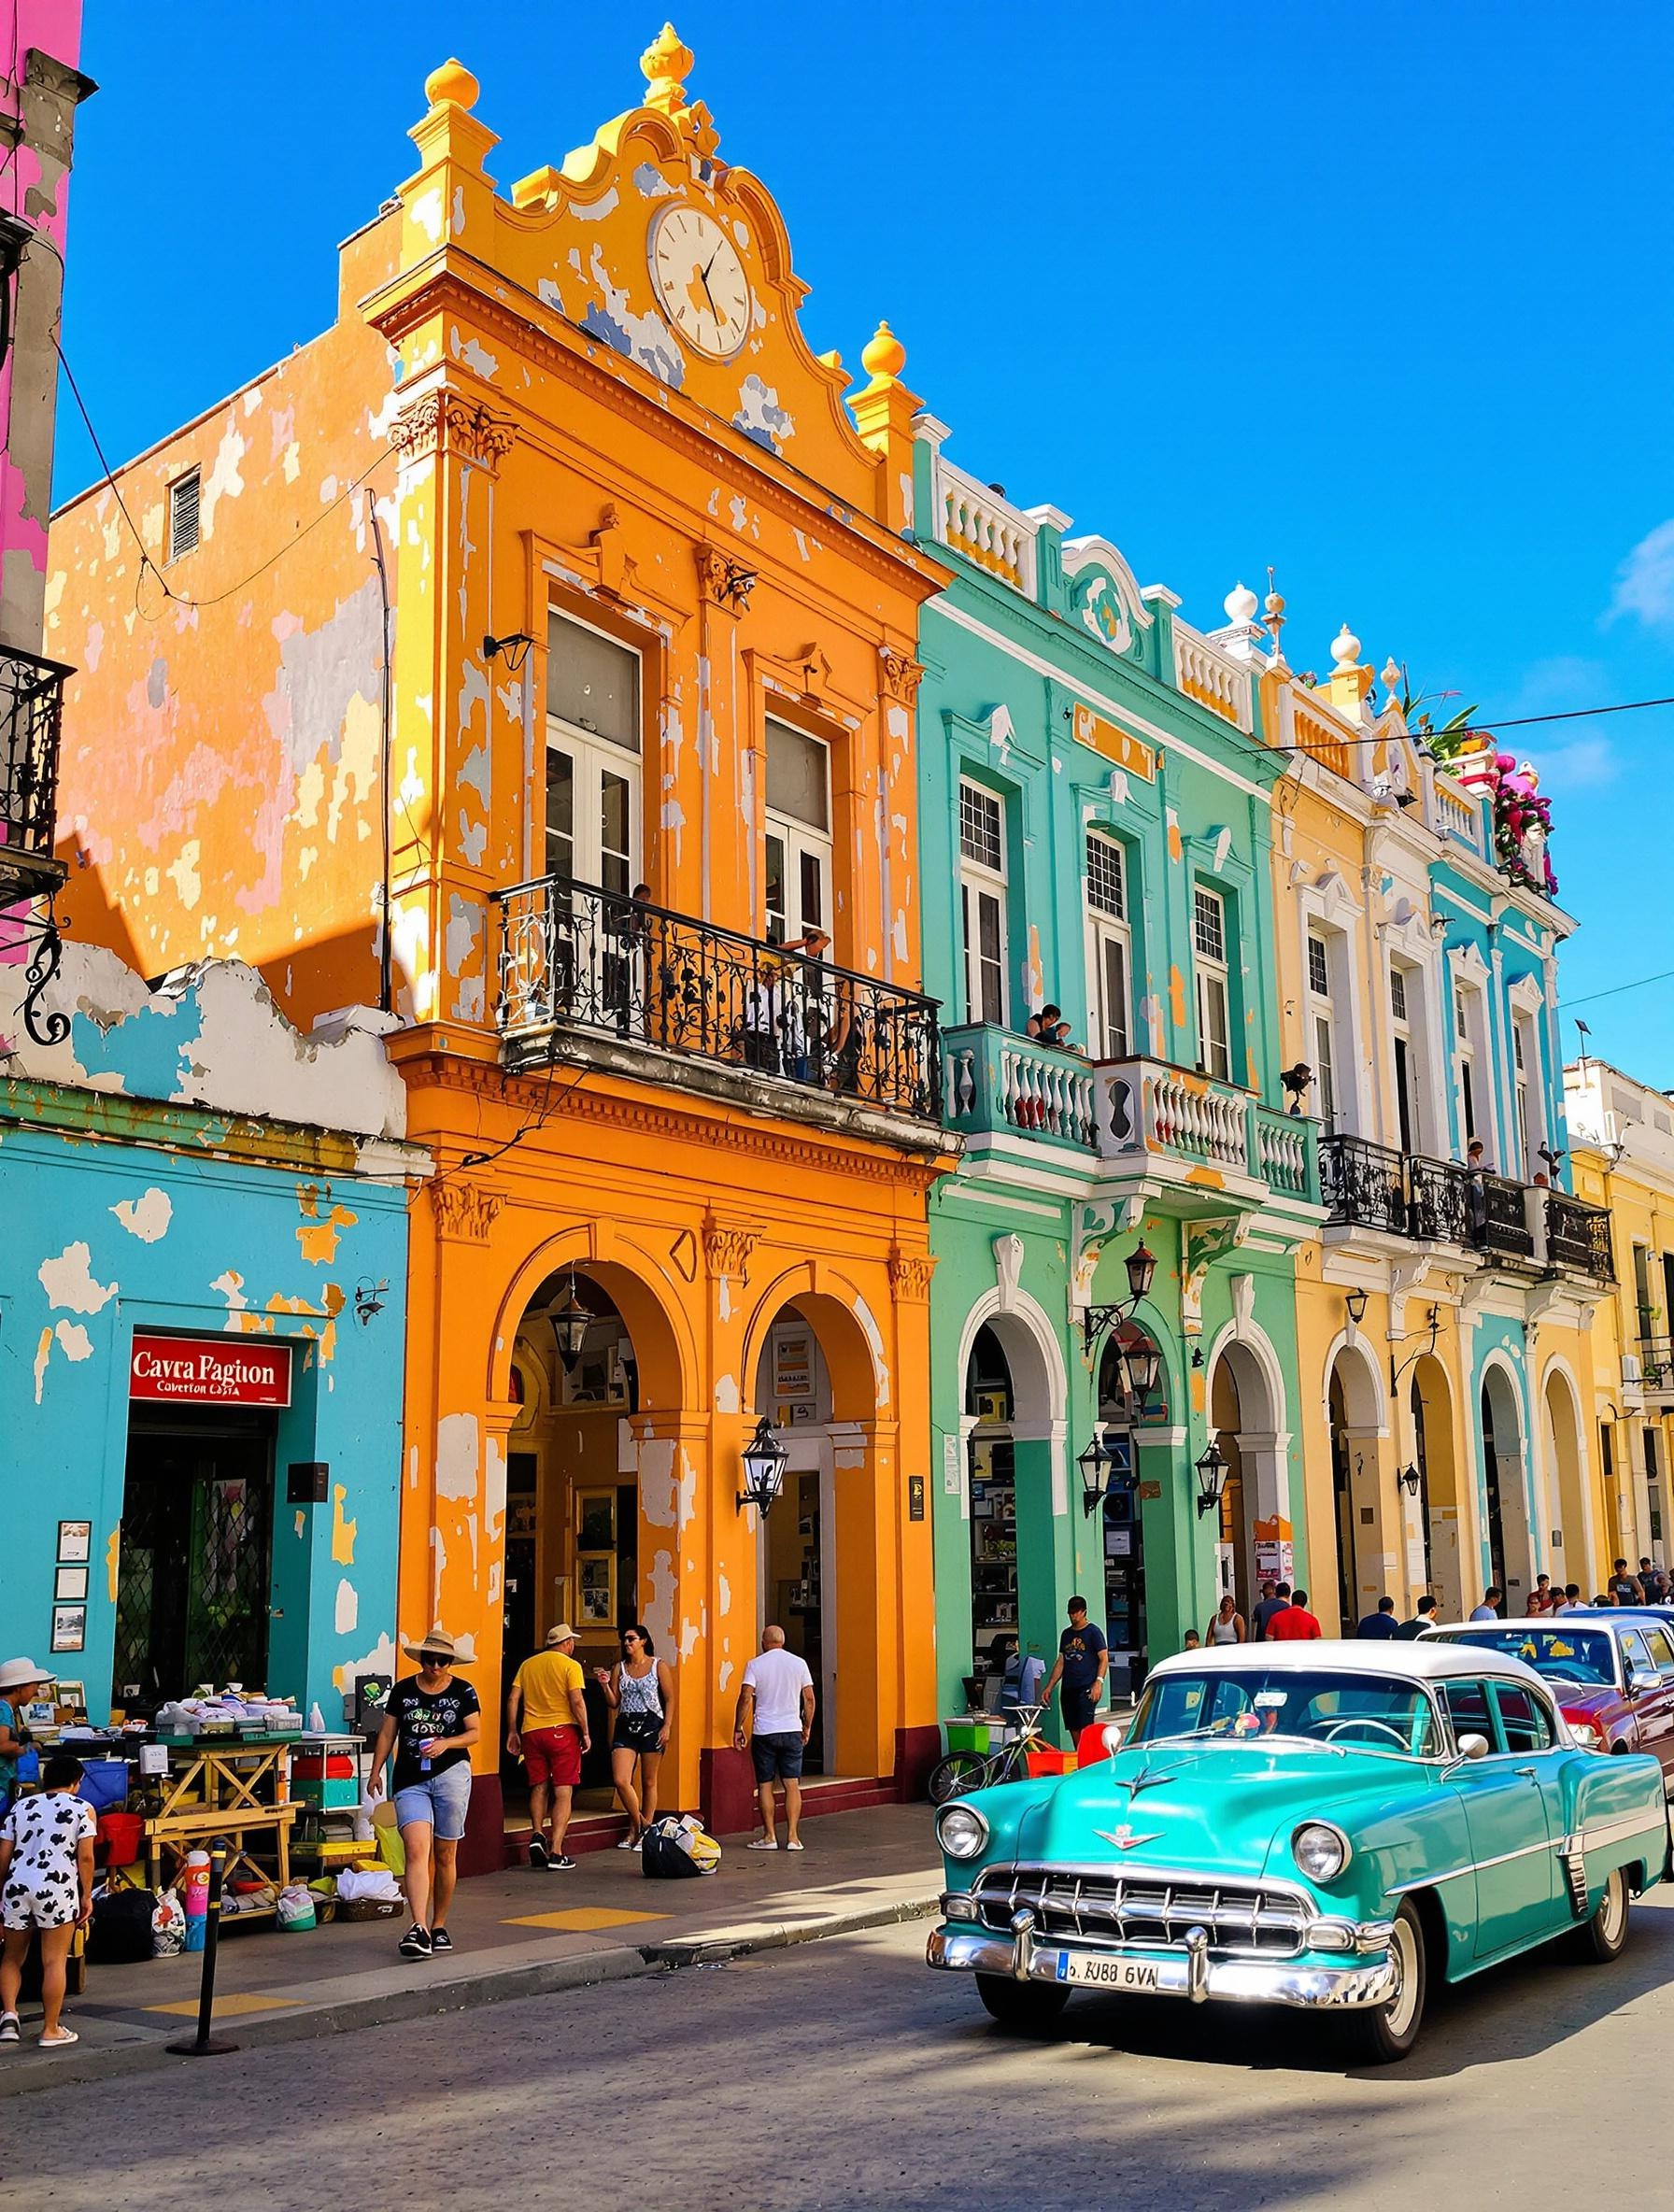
1321	1851
962	1831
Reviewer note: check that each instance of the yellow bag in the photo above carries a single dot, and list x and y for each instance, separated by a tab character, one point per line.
390	1849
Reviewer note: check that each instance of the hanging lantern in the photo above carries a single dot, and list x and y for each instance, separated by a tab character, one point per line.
765	1460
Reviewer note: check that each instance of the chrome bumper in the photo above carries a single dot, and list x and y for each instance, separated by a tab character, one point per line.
1190	1973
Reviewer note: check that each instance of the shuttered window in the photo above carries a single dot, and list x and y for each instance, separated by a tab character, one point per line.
183	514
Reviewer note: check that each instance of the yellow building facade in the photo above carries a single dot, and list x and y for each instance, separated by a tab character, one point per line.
581	738
1443	1313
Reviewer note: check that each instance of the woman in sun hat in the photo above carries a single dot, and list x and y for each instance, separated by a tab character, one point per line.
21	1683
431	1719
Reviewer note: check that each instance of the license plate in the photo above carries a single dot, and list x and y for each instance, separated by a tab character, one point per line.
1110	1974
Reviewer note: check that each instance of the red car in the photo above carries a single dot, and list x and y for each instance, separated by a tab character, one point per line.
1612	1674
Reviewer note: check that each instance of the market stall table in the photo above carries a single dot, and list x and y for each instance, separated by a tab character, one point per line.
231	1787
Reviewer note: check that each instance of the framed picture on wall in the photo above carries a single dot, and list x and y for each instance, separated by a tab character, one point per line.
74	1540
70	1583
596	1521
69	1628
599	1590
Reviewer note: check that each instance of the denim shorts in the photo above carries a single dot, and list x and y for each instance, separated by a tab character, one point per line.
440	1801
778	1758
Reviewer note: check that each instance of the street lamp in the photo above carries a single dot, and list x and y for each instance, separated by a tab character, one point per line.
1356	1302
1094	1463
1142	1362
570	1323
765	1460
1098	1320
1409	1480
1211	1479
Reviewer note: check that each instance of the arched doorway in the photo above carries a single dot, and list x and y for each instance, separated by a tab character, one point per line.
1572	1558
818	1565
1246	1415
1504	1492
1122	1525
1354	1413
991	1476
1015	1487
1434	1520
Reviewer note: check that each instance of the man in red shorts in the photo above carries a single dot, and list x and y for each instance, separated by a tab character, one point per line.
546	1726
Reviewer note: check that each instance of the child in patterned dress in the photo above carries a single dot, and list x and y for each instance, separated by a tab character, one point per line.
45	1883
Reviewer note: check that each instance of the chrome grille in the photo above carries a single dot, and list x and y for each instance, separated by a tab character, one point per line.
1150	1906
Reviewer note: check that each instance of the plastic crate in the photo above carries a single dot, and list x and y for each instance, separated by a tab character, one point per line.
334	1794
313	1767
1048	1760
969	1735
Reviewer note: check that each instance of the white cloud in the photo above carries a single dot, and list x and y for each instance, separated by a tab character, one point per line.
1645	581
1584	764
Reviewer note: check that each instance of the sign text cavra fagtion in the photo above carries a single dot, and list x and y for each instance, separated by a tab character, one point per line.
211	1372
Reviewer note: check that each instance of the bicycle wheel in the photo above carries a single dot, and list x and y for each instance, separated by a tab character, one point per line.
955	1776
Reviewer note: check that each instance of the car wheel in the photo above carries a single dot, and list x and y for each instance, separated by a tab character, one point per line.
1387	2032
1027	2006
1602	1938
954	1775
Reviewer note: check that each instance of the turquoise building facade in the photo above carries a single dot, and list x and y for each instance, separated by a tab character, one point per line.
1095	823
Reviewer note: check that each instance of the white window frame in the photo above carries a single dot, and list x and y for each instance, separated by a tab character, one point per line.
1212	980
983	891
1405	1029
1109	938
805	845
1470	1050
1527	1096
1322	1028
593	757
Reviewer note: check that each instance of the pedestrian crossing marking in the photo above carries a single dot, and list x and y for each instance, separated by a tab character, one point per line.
188	2007
582	1920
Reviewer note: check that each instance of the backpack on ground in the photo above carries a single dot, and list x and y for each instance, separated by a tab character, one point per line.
676	1846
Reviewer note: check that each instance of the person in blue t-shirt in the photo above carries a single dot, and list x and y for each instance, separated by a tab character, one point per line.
1083	1658
1381	1625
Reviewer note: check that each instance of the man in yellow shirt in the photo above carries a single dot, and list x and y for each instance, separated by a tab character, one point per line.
546	1726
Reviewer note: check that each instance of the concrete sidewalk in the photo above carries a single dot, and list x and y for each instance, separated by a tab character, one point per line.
516	1934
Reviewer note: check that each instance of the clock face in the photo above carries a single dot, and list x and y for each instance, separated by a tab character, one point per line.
700	281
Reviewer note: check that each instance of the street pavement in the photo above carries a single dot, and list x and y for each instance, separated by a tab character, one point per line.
843	2075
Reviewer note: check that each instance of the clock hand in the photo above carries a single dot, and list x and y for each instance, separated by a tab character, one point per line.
703	280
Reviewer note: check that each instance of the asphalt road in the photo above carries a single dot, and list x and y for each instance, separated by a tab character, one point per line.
843	2075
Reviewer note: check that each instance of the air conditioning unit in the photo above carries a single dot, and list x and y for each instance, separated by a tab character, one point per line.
1632	1375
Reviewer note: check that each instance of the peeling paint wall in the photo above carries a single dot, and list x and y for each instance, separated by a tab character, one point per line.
139	1191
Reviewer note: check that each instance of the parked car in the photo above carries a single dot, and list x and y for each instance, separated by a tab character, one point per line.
1611	1672
1325	1825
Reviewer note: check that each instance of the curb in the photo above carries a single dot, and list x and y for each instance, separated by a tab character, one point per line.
578	1971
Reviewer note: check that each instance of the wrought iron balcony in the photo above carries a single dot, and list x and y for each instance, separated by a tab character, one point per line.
1438	1201
31	712
1363	1184
997	1081
1498	1216
573	955
1578	1236
1656	1364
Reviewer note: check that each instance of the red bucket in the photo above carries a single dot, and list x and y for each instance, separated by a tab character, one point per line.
121	1838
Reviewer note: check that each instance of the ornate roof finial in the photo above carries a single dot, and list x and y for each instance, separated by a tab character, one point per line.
883	356
1345	651
452	85
1239	603
1272	607
1390	677
667	62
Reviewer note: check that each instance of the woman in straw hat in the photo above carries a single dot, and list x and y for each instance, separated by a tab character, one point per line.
21	1683
430	1721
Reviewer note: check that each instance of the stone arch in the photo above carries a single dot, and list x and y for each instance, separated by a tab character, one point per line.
1437	1517
1507	1538
1040	1385
1247	1404
850	1339
1357	1415
1563	1439
646	1294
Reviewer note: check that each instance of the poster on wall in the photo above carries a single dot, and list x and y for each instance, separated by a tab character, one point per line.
69	1628
1275	1553
793	1366
74	1540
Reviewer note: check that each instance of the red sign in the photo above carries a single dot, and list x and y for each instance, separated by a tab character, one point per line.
210	1371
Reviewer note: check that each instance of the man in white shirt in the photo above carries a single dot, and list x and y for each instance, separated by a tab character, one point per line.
775	1719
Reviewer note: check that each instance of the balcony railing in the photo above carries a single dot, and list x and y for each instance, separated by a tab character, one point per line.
31	710
1362	1184
1212	1131
1207	676
573	955
1498	1216
995	1080
1438	1201
1578	1236
1656	1364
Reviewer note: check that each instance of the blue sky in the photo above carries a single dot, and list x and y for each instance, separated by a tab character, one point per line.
1379	297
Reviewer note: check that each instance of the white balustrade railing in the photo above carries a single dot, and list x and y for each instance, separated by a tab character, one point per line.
1458	816
980	523
1282	1154
1209	678
1053	1095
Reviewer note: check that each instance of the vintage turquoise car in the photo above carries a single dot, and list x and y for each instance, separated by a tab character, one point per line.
1325	1825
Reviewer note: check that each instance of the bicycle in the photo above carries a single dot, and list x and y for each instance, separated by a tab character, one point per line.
961	1772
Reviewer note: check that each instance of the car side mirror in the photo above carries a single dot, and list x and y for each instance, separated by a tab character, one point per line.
1643	1679
1475	1747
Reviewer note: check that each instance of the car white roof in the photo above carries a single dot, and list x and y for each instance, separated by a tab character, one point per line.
1424	1661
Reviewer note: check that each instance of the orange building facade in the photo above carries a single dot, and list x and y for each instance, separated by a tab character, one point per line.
533	655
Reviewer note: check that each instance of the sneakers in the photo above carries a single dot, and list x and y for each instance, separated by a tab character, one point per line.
537	1853
629	1843
8	2027
763	1843
440	1939
798	1845
416	1943
560	1863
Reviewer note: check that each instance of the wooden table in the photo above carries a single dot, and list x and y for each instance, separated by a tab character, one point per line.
245	1789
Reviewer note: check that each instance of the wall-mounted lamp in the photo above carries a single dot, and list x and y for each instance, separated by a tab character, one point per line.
765	1460
1355	1301
1098	1320
1409	1480
1197	1356
1094	1463
1211	1479
1429	1332
515	645
369	1299
1296	1081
